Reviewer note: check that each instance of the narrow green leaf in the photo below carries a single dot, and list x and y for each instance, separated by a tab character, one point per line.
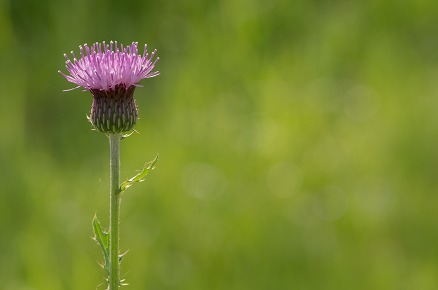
102	238
140	176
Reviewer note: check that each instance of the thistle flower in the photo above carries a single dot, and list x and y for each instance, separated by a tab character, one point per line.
111	74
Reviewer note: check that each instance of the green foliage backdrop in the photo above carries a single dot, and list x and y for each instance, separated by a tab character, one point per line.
298	143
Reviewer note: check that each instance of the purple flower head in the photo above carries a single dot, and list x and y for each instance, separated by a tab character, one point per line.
111	74
104	66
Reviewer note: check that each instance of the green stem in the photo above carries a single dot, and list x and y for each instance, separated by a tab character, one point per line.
114	279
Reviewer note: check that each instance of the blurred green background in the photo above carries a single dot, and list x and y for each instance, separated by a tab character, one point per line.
298	143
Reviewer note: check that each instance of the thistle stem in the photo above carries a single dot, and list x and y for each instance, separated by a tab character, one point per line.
115	198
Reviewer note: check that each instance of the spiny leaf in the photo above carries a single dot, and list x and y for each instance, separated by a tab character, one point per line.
126	135
140	176
102	238
121	256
